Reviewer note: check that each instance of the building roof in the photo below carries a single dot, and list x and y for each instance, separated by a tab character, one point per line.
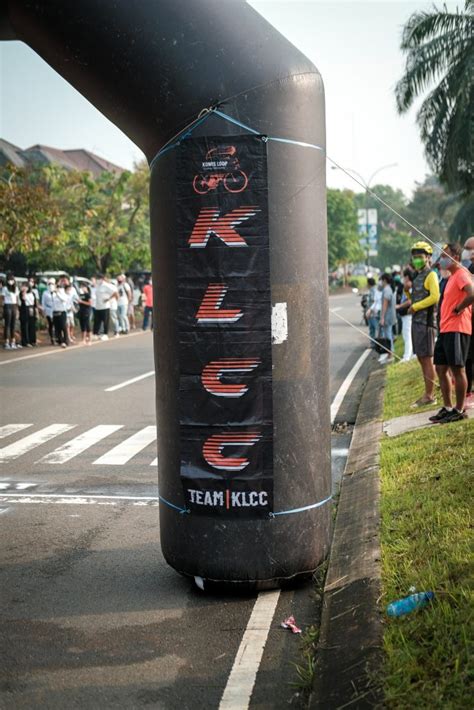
77	159
10	153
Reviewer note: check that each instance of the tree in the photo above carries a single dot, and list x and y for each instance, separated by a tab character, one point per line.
64	219
107	220
394	248
432	210
393	197
30	217
343	238
439	47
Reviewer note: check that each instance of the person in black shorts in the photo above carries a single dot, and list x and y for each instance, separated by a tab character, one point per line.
84	315
452	345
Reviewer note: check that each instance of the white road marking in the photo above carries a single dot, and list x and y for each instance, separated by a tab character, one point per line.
343	389
154	462
339	453
124	451
241	681
73	348
10	429
129	382
54	498
338	308
5	485
79	444
4	510
32	441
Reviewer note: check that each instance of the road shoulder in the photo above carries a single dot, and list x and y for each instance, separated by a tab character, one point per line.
350	644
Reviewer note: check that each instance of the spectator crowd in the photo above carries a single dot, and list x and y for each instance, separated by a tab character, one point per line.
97	307
430	306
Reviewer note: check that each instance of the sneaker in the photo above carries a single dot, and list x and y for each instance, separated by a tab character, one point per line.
14	346
383	358
7	346
453	416
104	337
443	412
63	345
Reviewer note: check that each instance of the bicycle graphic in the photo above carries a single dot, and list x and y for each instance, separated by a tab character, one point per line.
220	165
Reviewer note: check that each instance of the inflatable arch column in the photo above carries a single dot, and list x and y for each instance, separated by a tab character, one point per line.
231	118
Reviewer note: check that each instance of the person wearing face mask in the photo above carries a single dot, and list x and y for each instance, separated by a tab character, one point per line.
28	305
47	306
467	260
388	314
60	303
453	341
10	296
424	300
104	292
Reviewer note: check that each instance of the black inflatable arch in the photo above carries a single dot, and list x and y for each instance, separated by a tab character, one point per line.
241	343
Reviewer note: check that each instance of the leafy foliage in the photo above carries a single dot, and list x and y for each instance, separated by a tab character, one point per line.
69	220
343	239
30	217
439	47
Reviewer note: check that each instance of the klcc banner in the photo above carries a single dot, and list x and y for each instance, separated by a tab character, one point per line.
225	326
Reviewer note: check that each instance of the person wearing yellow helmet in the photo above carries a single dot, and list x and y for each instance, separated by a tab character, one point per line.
424	300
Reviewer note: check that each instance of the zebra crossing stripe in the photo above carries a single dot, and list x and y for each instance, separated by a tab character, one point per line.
9	429
79	444
12	451
124	451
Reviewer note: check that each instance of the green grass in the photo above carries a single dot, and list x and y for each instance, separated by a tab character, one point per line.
426	480
404	385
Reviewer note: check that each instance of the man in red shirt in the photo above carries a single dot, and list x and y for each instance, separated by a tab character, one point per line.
453	342
148	308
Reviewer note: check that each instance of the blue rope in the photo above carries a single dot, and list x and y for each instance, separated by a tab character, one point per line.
186	511
300	510
235	121
185	134
188	131
182	511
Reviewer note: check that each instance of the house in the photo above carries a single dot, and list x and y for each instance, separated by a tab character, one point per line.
75	159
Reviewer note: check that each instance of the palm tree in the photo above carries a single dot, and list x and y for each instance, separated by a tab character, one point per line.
439	47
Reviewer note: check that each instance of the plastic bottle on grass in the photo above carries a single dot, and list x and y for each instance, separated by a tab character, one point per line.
409	604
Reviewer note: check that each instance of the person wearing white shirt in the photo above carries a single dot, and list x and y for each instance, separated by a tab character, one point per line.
28	305
124	298
47	306
104	292
60	300
10	295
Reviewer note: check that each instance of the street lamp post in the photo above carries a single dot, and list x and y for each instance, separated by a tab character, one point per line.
366	184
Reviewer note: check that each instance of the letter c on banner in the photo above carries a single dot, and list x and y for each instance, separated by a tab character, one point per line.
212	373
215	444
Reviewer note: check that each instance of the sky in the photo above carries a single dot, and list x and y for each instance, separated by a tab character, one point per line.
354	44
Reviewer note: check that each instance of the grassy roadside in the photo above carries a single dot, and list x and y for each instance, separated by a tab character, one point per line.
426	478
403	386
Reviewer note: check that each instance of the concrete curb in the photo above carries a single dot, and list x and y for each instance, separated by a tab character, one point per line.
349	652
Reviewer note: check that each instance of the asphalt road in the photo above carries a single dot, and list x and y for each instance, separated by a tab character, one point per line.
91	614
